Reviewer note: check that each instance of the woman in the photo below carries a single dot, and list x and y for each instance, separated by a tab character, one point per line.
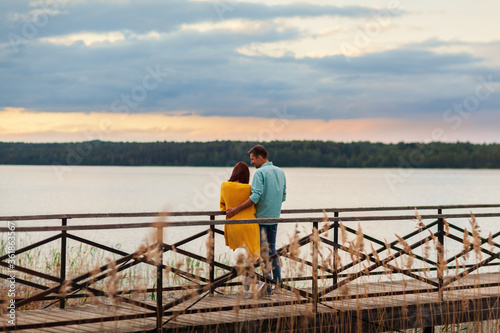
234	192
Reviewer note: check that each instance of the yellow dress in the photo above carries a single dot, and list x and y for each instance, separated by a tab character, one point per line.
240	235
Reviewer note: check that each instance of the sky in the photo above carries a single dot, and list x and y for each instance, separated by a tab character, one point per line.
254	70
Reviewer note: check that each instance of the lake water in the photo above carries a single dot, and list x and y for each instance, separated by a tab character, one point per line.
29	190
36	190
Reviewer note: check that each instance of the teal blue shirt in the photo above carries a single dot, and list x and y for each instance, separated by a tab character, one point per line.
268	191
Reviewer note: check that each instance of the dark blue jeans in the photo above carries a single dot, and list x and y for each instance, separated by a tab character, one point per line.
268	234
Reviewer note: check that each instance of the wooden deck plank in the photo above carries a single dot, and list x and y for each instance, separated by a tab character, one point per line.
25	317
110	326
46	330
58	315
122	309
36	318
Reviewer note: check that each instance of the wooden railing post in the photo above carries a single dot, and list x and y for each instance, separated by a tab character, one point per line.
315	290
62	274
159	281
335	250
440	254
212	257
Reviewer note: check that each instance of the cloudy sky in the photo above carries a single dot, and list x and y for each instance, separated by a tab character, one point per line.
176	70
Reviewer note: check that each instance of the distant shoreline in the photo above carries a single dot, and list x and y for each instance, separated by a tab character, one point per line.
320	154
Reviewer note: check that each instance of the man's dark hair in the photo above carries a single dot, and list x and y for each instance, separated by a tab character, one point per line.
258	151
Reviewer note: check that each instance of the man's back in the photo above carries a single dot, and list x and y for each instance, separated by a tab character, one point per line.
268	191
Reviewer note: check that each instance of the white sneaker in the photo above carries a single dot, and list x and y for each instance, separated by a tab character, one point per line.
261	288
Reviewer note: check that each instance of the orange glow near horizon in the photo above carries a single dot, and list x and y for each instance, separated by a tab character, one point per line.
20	125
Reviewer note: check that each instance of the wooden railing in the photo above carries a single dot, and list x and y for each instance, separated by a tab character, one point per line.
331	221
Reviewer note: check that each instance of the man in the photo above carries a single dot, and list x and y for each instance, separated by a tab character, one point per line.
268	192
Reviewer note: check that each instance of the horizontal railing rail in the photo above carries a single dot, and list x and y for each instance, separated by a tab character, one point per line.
216	213
197	223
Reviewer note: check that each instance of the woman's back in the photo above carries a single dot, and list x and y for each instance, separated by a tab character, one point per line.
234	193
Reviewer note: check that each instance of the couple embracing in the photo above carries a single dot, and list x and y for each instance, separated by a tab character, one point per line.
260	200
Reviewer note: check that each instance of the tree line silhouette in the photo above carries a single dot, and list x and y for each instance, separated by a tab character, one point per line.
282	153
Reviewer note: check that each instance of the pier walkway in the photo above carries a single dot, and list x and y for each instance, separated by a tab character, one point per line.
345	270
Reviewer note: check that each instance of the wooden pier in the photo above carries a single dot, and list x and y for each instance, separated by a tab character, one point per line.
345	280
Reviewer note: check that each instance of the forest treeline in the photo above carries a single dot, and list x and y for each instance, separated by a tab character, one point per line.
282	153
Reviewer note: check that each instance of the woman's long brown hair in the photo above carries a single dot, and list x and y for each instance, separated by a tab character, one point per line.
241	173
